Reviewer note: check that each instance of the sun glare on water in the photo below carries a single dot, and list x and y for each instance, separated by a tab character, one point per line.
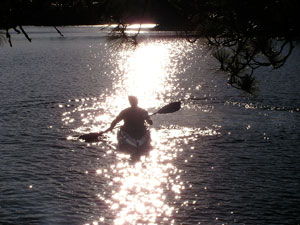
139	190
140	196
129	26
147	191
145	73
142	26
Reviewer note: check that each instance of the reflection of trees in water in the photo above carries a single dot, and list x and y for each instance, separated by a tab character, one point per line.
243	35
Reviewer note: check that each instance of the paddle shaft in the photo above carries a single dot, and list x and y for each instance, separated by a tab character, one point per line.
169	108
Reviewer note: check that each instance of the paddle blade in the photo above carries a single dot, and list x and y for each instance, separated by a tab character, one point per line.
91	137
170	108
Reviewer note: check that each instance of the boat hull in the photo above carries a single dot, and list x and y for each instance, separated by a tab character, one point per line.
133	145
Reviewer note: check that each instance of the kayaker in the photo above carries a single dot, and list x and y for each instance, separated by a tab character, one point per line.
134	119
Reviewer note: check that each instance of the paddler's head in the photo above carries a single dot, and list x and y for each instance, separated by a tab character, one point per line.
133	101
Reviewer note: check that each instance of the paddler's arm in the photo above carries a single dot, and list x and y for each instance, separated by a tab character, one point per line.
114	123
148	119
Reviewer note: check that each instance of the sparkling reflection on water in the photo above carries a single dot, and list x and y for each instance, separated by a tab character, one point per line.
225	158
144	191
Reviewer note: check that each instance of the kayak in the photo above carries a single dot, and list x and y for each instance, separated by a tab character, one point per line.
133	144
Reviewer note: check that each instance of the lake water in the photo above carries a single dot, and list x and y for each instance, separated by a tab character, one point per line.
226	158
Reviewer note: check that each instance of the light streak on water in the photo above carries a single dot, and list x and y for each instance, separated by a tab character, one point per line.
143	190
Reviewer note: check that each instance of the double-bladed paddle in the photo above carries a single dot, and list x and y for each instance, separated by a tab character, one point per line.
169	108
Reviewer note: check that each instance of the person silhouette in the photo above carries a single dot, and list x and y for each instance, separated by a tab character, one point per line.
135	119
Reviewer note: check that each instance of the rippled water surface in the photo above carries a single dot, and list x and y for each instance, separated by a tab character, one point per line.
226	157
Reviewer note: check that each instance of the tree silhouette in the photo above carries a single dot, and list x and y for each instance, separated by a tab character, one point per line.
245	35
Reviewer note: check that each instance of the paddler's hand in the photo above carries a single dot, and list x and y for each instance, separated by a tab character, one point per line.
150	122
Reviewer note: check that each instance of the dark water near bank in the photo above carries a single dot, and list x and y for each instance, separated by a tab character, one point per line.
225	158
